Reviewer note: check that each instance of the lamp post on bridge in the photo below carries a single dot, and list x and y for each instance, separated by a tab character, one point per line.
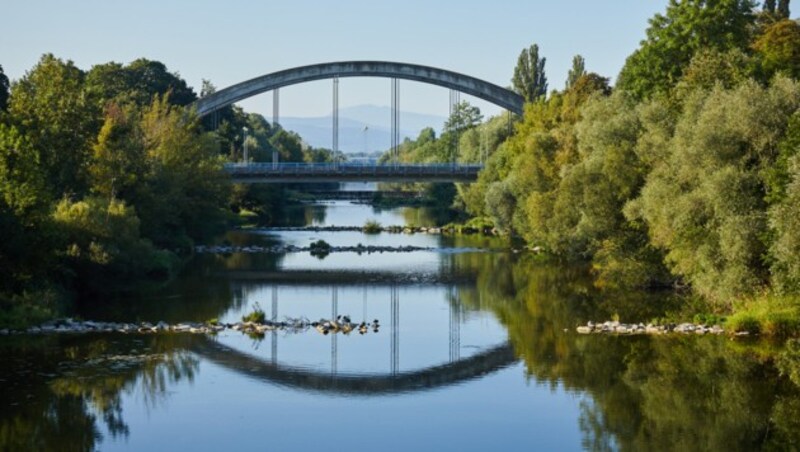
244	143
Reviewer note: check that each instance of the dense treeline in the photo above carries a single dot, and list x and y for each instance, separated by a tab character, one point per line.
686	173
106	178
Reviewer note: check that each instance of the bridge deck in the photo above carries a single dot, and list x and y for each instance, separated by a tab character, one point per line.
350	172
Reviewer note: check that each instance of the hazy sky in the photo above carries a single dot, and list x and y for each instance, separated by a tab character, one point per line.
234	40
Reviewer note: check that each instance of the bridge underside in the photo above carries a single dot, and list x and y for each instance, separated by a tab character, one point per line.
298	173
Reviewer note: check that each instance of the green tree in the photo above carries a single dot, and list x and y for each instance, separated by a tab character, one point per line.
674	37
186	190
577	71
778	49
3	90
464	116
710	67
288	144
24	203
704	203
783	9
119	162
529	78
138	82
783	179
50	107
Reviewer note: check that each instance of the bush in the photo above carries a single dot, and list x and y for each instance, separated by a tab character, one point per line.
257	316
772	315
372	227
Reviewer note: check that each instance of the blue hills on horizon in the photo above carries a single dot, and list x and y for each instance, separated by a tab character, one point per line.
316	131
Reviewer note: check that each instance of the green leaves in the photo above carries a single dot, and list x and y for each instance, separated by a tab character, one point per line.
529	78
674	38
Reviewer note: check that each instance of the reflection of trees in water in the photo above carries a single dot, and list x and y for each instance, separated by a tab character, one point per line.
642	393
93	374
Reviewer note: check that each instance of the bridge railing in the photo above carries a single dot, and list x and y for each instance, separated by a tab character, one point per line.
352	168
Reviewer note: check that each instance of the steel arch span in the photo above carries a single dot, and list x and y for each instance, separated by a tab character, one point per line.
448	79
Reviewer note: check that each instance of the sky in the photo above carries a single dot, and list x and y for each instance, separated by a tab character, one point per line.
230	41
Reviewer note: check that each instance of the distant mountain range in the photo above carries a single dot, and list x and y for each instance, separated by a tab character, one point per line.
352	123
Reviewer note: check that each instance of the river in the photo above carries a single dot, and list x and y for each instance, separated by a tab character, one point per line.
476	350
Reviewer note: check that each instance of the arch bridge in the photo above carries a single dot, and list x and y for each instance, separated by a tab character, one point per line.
278	173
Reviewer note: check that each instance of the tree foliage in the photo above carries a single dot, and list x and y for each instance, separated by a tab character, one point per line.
577	71
49	106
4	86
778	49
529	78
674	37
704	204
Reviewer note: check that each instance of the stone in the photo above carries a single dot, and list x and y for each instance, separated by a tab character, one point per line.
584	329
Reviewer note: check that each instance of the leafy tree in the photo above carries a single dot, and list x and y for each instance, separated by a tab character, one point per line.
24	203
778	49
783	179
710	67
783	9
769	6
577	71
529	78
50	107
3	90
704	203
288	144
184	191
674	37
119	163
464	116
138	82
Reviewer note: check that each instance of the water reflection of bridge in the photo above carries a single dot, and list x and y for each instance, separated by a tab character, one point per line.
269	368
473	367
454	332
348	277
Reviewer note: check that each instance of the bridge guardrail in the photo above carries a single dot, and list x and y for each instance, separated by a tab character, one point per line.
350	168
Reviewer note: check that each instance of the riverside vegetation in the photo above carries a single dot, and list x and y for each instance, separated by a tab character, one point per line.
686	174
107	179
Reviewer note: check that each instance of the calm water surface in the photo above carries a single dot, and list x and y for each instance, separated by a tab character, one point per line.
476	351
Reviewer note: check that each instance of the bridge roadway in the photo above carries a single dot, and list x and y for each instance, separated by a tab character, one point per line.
281	173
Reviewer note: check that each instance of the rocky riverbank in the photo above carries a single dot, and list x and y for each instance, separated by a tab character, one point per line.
612	327
375	229
281	249
341	324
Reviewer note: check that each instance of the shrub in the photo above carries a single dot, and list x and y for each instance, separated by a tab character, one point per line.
256	316
372	227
